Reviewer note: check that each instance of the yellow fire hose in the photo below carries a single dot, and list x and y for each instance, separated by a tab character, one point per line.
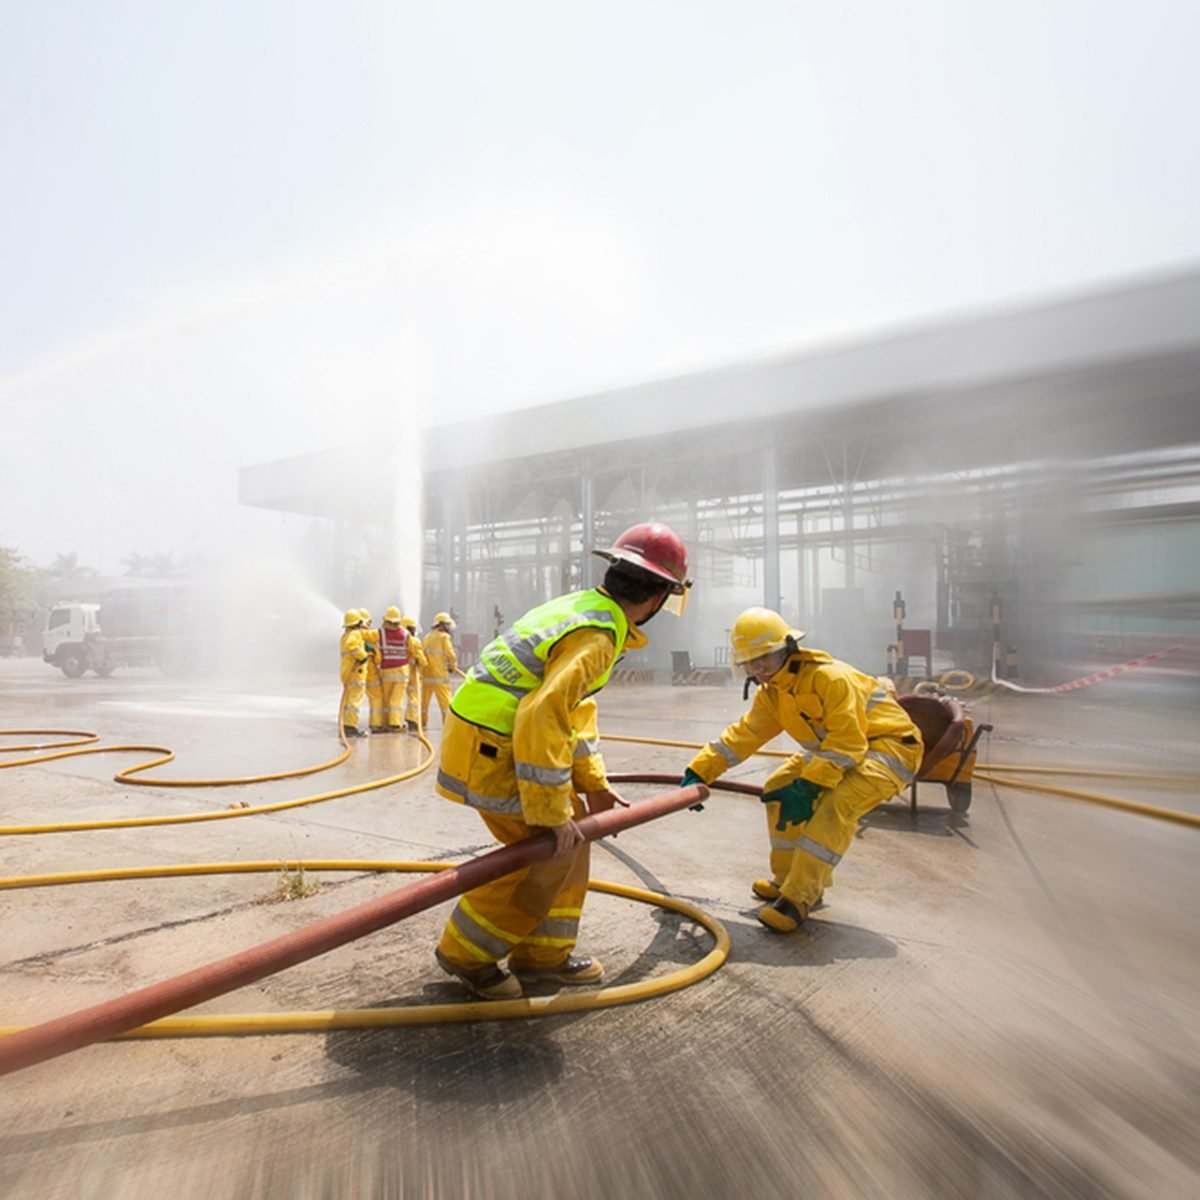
424	1014
83	746
126	774
1173	815
427	1014
351	1019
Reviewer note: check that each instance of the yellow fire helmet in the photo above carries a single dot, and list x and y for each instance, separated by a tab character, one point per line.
760	631
366	616
409	623
353	617
444	619
392	616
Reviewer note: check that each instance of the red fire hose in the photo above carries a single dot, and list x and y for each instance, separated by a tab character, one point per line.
113	1017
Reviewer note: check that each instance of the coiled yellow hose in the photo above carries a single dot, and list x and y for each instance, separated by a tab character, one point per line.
425	1014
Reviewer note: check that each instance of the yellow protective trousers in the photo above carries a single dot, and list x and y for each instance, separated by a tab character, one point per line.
412	708
531	916
393	683
353	691
431	689
803	856
375	695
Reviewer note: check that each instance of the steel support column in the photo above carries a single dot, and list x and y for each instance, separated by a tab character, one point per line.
452	526
770	520
587	509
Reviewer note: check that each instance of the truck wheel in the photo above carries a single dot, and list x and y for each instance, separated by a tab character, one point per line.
105	671
959	796
72	664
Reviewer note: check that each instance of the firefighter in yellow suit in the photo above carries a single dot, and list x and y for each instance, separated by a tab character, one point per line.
416	668
374	684
440	660
393	669
520	745
858	748
355	656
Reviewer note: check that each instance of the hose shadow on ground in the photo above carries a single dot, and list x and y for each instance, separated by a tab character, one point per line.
485	1064
481	1064
488	1064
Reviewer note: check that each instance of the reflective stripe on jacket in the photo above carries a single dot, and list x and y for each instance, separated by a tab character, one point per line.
415	654
371	645
554	750
837	714
354	655
440	658
513	664
393	645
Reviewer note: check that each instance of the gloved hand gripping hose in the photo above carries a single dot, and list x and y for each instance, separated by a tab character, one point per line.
796	800
689	778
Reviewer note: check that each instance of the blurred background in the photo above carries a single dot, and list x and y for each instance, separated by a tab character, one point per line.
892	311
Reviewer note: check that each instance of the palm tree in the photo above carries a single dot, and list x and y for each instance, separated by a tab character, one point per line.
68	566
136	564
164	565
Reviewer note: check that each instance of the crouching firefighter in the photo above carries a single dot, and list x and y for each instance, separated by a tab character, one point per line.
521	745
858	748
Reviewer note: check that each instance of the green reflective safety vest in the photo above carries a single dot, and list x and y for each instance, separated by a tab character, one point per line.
514	664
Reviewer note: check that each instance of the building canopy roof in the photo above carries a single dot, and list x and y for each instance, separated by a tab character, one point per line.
1089	358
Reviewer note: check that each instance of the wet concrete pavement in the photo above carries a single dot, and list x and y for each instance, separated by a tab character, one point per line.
999	1006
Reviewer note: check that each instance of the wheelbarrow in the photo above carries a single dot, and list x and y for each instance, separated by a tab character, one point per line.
950	737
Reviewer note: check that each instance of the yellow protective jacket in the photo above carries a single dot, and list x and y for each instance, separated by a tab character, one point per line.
354	656
440	658
370	639
838	715
415	653
555	729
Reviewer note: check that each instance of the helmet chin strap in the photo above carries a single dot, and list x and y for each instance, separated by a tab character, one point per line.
658	608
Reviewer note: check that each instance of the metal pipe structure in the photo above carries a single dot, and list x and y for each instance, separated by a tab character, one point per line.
110	1018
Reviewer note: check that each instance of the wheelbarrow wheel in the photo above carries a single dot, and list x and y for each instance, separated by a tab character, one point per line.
959	796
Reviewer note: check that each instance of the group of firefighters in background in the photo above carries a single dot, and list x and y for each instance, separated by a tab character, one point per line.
397	672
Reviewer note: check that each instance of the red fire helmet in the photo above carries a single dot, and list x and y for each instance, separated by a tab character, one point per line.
655	548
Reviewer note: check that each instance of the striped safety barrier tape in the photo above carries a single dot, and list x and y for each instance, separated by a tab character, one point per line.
1088	680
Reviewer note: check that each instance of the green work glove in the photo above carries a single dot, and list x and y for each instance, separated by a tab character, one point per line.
689	778
795	802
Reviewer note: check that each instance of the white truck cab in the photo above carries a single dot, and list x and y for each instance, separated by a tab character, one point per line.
71	630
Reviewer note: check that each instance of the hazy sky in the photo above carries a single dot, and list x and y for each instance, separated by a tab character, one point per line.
231	232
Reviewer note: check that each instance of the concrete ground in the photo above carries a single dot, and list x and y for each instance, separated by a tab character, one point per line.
998	1006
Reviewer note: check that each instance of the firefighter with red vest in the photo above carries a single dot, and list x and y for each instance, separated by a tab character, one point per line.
394	664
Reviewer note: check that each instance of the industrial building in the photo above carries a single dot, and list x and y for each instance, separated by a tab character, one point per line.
1027	479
